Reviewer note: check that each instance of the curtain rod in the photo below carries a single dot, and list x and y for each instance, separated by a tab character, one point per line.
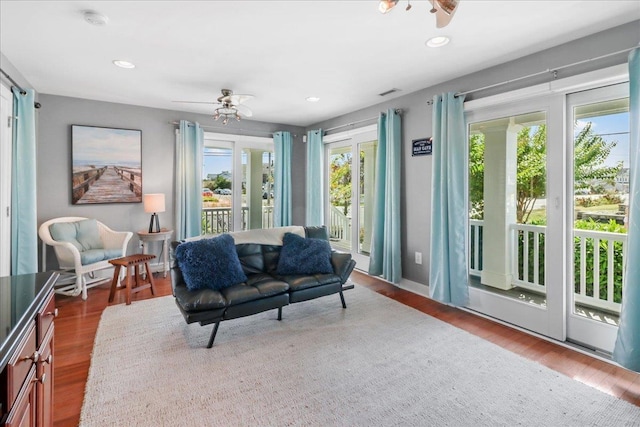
397	111
548	70
22	91
226	128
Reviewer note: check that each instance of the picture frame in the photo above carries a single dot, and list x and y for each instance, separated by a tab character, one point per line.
106	165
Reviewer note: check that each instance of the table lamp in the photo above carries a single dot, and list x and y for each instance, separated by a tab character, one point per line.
153	203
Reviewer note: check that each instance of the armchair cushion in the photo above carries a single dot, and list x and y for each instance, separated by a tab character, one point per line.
84	235
301	255
96	255
210	263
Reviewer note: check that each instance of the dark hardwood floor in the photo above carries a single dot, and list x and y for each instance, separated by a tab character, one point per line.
76	326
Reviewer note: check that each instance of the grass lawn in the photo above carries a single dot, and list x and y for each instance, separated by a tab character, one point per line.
540	214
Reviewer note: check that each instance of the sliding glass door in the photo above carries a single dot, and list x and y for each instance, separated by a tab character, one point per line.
548	208
599	208
350	164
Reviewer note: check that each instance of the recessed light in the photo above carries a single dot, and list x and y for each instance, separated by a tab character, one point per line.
123	64
94	18
438	41
313	99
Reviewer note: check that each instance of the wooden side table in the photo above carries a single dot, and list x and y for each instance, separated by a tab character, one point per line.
164	236
139	284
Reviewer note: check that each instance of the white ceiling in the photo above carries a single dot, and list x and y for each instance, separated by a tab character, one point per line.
344	52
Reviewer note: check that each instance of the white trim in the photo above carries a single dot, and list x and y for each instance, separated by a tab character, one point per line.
590	80
414	287
348	134
5	181
245	140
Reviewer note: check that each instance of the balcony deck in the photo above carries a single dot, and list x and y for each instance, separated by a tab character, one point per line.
540	300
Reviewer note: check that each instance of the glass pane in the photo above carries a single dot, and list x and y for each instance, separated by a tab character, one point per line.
601	207
365	195
217	215
340	196
507	206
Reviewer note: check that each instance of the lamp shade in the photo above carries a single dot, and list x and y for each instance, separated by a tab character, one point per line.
153	202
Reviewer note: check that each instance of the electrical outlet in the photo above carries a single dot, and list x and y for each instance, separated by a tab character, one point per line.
418	257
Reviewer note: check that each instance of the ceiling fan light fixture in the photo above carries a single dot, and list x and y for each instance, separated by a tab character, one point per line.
229	106
386	5
438	41
447	6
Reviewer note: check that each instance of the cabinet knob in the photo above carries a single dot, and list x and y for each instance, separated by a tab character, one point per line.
53	313
42	379
48	360
35	357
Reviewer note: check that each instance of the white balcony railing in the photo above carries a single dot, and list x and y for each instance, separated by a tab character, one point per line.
339	227
220	220
598	269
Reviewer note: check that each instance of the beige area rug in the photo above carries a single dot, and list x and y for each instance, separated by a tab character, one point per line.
377	363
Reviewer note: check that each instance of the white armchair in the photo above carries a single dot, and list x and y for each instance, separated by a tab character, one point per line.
84	263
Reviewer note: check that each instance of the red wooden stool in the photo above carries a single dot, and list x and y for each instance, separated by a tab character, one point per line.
132	261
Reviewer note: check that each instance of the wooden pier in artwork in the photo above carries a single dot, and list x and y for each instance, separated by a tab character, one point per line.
108	184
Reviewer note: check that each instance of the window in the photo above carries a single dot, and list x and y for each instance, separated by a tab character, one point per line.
237	183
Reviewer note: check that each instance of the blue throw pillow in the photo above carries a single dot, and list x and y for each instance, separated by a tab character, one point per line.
304	256
210	263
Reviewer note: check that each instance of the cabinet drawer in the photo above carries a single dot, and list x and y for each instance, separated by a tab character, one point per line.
45	318
19	365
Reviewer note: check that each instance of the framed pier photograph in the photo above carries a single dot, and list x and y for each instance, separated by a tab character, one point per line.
106	165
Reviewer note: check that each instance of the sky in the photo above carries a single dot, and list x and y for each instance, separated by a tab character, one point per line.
217	160
612	127
106	146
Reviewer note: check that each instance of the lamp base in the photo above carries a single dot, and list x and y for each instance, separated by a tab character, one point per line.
154	221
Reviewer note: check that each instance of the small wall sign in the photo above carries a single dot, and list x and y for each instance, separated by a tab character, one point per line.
422	147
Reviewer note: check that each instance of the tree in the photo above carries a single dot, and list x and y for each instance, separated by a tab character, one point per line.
532	173
221	182
590	153
476	175
340	181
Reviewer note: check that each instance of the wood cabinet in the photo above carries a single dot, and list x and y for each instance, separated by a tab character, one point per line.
26	379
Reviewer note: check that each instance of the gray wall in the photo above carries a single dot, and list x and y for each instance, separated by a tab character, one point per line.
58	113
158	140
416	123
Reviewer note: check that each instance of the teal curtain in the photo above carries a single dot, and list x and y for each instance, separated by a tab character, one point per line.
24	223
282	177
188	197
315	178
385	258
627	348
448	280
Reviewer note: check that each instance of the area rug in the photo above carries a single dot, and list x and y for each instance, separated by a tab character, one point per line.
377	363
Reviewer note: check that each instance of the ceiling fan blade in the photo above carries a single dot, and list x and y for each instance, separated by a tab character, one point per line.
198	102
445	9
243	110
235	99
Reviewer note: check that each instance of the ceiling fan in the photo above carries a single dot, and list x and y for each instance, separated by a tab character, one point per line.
229	106
443	9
